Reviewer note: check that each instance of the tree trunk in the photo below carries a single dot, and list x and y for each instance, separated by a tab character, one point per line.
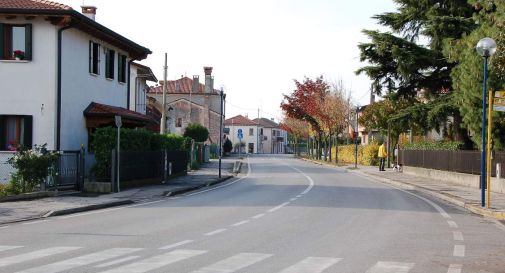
461	134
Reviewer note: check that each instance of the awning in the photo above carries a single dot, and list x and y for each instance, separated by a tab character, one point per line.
101	115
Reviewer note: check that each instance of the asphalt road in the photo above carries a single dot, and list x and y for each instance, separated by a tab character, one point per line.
285	216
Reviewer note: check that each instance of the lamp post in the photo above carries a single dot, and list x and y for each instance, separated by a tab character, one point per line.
220	131
486	47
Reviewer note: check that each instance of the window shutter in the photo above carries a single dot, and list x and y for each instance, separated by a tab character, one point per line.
107	63
2	133
28	42
111	63
2	53
28	131
90	57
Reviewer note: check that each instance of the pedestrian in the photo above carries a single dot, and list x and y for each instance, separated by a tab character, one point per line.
382	156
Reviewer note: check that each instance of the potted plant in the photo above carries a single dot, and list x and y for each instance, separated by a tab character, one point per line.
18	54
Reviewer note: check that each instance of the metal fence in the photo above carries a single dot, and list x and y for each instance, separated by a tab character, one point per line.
5	168
138	168
454	161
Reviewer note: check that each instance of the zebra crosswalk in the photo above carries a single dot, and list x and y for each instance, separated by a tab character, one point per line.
21	259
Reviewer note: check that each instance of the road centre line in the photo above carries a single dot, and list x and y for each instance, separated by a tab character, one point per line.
455	268
459	251
118	261
217	231
240	223
257	216
292	199
177	244
278	207
452	224
458	236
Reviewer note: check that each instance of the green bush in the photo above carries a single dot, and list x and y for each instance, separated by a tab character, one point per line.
31	168
227	146
104	141
197	132
434	146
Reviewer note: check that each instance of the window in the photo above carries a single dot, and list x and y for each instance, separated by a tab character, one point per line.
94	58
15	42
140	96
261	131
178	122
121	68
251	131
109	63
14	131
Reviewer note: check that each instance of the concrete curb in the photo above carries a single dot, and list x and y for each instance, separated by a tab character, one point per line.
458	201
71	211
183	190
88	208
28	196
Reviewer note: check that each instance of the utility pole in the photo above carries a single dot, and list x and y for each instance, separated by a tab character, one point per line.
258	132
220	132
356	140
163	121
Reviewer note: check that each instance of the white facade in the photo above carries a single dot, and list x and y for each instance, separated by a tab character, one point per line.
248	138
29	87
80	87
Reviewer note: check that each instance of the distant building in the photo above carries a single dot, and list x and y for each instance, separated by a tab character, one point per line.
249	131
189	101
273	139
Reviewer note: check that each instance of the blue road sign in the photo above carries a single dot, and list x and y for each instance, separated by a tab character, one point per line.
239	131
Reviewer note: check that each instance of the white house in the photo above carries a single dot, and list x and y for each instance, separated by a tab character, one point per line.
62	75
249	129
273	139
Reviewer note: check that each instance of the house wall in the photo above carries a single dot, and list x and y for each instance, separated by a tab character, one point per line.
29	87
80	88
247	138
267	144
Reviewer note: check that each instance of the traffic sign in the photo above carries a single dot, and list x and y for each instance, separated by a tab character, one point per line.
499	101
117	119
240	135
239	131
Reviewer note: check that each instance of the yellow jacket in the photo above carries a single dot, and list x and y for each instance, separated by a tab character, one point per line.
382	151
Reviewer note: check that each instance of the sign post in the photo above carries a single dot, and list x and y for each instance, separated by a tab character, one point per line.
240	136
118	125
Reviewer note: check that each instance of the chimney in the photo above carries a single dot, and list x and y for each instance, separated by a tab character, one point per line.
89	11
177	86
209	80
195	87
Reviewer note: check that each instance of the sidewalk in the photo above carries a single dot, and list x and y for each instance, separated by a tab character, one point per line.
466	197
66	203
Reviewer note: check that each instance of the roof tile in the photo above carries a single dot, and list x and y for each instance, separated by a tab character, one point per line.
33	4
240	120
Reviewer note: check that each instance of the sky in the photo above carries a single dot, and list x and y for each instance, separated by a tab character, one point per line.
257	48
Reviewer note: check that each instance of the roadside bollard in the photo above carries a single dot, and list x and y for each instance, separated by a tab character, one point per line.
498	170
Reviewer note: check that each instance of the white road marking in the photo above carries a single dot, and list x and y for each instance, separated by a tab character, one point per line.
177	244
452	224
309	188
118	261
66	265
4	227
312	265
458	236
240	223
35	222
225	185
459	251
217	231
278	207
455	268
292	199
156	261
390	267
35	255
234	263
258	216
153	202
5	248
298	196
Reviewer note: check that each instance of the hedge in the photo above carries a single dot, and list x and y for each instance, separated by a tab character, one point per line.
434	146
367	154
104	140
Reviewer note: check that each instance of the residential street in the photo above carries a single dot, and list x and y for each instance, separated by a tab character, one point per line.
283	215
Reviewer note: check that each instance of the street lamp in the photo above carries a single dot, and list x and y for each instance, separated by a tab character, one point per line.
222	96
486	47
